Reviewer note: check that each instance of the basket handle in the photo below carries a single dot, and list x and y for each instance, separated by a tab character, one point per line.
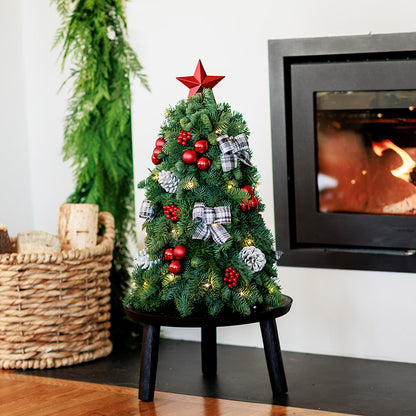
105	218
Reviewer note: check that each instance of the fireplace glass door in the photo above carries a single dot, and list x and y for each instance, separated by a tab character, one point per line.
366	151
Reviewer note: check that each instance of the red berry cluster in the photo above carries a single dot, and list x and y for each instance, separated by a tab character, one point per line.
231	275
172	212
183	137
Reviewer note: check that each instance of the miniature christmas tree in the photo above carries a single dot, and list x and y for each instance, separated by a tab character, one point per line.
207	248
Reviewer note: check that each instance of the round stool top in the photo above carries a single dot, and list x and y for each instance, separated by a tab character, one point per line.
161	318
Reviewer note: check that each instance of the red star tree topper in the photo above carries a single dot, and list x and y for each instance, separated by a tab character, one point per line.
200	80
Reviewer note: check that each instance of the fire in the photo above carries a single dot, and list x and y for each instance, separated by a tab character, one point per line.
408	163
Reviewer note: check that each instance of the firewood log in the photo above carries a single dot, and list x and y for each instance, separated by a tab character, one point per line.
37	242
78	225
406	206
5	246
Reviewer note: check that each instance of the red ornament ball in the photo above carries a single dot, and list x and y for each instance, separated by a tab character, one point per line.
201	146
189	156
160	142
254	202
174	267
155	159
203	163
248	189
157	150
179	252
168	255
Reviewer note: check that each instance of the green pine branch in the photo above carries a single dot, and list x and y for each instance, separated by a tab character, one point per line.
97	133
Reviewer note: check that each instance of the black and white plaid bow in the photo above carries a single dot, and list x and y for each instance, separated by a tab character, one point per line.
147	211
210	222
233	148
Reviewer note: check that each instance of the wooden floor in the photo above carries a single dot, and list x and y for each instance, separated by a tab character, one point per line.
23	395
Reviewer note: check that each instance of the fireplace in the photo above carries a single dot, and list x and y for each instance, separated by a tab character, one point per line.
343	113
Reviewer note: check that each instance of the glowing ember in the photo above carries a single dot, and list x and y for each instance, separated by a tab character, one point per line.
408	163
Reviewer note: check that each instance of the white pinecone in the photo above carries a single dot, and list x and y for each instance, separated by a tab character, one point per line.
253	257
142	260
168	181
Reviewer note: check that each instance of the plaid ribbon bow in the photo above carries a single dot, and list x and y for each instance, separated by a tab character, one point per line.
233	148
146	210
210	222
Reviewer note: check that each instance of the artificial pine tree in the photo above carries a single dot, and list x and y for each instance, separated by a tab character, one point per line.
207	248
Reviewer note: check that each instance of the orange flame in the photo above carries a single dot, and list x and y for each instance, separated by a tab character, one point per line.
408	163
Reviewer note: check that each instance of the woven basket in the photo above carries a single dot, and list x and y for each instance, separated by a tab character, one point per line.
55	309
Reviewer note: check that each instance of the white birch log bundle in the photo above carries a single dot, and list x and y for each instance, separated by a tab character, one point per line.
5	245
78	226
37	242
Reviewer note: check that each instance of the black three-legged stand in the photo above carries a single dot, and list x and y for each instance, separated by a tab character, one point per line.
151	333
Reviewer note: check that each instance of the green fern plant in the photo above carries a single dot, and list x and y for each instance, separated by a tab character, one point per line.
97	133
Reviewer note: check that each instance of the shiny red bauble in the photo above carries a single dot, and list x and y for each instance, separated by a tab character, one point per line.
160	142
174	267
203	163
189	156
254	202
168	255
201	146
155	159
157	150
179	252
248	189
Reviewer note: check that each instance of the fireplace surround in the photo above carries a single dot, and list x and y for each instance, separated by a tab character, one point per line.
342	118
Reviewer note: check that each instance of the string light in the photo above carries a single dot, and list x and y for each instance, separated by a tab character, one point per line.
171	276
230	185
156	176
248	242
189	185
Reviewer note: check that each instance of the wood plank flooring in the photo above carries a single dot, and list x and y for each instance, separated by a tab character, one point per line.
23	395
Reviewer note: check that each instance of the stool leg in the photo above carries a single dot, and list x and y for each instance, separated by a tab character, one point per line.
148	362
273	356
209	350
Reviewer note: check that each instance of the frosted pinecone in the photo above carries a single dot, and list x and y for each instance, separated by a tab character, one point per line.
142	260
253	257
168	181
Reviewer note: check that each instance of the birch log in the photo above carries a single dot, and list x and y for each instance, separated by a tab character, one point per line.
78	226
5	246
37	242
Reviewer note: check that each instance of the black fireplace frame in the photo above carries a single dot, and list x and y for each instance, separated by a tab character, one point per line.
390	241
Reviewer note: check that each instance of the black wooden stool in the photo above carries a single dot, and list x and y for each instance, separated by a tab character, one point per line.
151	332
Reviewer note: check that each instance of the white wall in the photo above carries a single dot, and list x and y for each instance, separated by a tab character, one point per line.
351	313
33	179
360	314
15	190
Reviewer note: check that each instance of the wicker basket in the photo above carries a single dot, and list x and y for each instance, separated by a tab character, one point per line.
55	309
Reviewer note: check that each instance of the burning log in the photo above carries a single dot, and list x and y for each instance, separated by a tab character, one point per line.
406	206
407	170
